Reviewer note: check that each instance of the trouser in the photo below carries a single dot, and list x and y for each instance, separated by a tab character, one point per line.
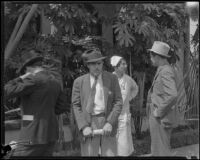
91	146
160	138
106	145
34	150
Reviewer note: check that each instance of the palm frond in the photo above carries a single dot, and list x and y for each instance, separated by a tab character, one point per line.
192	90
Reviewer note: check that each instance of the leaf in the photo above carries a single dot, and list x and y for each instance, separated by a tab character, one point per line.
176	19
143	29
123	36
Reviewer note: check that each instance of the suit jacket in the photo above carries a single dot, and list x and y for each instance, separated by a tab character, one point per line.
41	96
112	97
162	95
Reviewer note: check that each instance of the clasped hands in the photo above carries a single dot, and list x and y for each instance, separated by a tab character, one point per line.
107	129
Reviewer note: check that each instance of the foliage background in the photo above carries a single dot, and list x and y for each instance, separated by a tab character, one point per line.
78	27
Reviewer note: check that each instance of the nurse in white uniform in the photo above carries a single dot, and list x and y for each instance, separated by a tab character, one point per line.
129	90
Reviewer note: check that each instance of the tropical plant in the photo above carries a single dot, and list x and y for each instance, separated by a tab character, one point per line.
191	77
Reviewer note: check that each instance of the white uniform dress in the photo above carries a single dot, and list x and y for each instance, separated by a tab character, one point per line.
129	90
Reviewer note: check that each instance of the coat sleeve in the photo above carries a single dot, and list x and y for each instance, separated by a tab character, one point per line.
169	93
117	102
61	104
76	105
134	89
19	87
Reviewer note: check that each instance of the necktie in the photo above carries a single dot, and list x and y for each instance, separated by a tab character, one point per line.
90	103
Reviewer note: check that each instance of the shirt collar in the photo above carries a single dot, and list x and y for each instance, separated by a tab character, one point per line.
99	76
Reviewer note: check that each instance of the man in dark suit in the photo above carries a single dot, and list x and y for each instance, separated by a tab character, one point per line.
41	98
161	101
97	104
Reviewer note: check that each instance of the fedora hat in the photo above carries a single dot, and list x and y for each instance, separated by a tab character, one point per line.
160	48
92	55
29	58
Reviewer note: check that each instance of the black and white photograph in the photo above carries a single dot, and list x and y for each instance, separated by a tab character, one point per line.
106	79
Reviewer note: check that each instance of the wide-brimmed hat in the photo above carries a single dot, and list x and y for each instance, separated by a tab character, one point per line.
160	48
29	58
92	55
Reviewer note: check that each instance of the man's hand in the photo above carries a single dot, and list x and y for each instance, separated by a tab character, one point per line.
25	75
87	131
107	129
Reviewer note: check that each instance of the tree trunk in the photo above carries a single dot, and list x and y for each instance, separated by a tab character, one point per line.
9	49
187	49
130	65
45	25
107	12
15	30
138	119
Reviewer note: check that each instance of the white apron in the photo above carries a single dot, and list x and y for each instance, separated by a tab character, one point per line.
129	90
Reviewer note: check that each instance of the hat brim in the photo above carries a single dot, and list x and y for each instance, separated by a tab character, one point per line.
158	53
29	62
95	60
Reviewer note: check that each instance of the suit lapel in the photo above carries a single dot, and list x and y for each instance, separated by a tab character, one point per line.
106	83
157	73
86	88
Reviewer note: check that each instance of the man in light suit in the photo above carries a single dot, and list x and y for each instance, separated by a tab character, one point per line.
104	111
161	101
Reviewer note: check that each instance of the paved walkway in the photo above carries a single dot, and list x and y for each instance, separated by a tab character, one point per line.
191	150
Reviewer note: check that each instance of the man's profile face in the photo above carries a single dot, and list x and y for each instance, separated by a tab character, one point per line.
154	59
95	68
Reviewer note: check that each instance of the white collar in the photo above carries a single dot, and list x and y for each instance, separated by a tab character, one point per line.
117	76
99	76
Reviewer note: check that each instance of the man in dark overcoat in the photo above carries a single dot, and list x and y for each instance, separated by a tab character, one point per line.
41	97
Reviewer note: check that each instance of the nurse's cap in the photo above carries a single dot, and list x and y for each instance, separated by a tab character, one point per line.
115	60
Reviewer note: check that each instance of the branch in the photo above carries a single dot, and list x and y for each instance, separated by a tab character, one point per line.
17	26
21	31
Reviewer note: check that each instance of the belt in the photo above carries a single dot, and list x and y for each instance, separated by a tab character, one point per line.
99	115
28	117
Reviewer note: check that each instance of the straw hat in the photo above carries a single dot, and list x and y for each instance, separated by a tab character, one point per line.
160	48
